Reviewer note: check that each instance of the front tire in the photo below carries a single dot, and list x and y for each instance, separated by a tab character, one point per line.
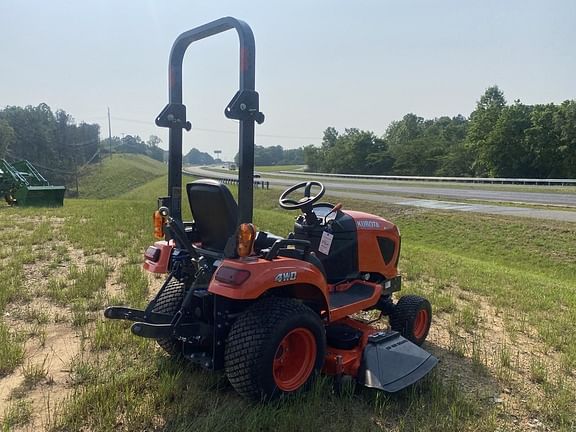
275	348
412	317
169	303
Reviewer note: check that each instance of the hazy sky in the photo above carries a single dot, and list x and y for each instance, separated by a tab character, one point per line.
319	63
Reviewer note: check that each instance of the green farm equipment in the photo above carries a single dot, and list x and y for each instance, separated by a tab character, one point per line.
22	185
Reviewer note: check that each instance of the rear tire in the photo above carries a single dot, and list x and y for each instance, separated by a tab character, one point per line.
169	303
275	348
412	317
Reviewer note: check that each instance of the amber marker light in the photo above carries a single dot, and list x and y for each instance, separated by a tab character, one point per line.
245	239
158	225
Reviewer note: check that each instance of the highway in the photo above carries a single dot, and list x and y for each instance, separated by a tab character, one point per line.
431	196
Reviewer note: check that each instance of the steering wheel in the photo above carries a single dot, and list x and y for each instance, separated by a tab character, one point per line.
302	203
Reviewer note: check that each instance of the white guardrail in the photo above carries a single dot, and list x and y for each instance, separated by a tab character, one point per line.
525	181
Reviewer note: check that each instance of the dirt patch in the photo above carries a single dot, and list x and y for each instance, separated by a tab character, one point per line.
495	363
44	378
499	361
51	342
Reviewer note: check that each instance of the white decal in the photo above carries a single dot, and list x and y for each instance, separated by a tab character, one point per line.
367	224
325	243
286	276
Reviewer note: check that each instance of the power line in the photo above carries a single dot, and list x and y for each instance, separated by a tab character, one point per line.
223	131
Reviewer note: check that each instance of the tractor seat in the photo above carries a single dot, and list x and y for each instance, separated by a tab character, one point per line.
215	212
265	240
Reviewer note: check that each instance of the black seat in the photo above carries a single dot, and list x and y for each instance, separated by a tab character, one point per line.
215	212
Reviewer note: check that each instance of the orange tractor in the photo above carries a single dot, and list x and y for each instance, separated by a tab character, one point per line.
273	312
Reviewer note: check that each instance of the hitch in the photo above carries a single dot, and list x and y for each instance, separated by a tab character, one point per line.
124	313
196	330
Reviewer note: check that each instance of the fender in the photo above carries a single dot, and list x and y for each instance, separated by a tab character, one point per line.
265	275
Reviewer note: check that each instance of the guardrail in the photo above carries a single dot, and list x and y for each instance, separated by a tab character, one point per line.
262	184
258	183
524	181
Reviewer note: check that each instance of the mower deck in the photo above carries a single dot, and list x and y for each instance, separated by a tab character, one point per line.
410	362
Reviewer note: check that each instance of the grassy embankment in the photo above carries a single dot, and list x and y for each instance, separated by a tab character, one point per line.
504	326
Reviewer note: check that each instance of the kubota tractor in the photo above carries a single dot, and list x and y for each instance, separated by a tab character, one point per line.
273	312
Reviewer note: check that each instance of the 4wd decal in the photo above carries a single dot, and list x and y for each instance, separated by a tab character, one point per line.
367	224
286	276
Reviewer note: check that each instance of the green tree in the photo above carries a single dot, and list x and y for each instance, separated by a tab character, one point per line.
7	137
346	153
482	122
293	157
154	150
312	158
196	157
542	141
565	128
506	152
154	141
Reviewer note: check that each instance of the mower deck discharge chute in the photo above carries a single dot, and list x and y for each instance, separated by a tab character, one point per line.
272	311
21	184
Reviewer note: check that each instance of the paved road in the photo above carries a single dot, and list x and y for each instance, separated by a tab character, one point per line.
378	192
563	199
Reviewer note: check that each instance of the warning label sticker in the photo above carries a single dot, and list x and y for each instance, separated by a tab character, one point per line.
325	243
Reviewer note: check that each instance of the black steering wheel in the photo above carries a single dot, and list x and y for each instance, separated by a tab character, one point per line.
302	203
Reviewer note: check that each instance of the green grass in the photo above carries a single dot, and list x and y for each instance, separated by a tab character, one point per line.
11	351
34	373
155	392
18	413
272	168
116	175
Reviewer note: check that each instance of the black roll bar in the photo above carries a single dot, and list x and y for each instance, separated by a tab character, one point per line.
243	107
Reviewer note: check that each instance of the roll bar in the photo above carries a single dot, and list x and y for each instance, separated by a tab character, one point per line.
244	107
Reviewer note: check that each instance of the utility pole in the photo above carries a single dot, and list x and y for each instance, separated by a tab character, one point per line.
109	133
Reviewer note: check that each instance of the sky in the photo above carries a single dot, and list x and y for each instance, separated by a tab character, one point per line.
320	63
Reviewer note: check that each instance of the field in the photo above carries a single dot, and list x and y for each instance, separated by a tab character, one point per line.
504	328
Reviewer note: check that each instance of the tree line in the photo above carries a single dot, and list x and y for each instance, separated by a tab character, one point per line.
497	140
276	155
58	146
136	145
51	141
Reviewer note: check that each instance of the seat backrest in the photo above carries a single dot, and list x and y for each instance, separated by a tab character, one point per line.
215	212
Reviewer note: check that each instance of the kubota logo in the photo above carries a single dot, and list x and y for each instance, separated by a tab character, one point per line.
286	276
367	224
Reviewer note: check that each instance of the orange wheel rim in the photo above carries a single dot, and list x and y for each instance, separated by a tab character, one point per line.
294	359
421	324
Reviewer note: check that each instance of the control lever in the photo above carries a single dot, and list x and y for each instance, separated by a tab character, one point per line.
335	209
179	231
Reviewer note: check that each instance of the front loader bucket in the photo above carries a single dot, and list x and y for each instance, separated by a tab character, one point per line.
391	362
40	196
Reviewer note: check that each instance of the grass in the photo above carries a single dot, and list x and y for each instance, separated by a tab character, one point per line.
18	413
260	168
11	351
34	373
523	269
167	395
117	175
272	168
